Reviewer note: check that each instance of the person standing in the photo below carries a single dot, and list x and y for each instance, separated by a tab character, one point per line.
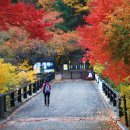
46	88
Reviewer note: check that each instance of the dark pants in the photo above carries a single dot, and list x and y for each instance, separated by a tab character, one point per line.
47	98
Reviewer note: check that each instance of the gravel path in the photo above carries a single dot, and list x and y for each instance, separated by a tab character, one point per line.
74	105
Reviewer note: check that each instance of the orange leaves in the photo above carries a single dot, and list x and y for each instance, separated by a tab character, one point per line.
51	17
107	37
63	42
118	32
117	72
100	9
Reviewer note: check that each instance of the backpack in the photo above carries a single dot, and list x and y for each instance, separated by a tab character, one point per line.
47	88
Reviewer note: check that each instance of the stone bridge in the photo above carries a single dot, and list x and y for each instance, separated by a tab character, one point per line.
74	105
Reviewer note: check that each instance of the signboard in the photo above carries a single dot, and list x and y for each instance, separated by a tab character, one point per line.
43	67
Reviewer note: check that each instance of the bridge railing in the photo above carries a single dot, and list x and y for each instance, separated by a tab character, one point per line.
120	103
13	99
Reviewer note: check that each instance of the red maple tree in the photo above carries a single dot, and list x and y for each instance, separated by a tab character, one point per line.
97	40
24	16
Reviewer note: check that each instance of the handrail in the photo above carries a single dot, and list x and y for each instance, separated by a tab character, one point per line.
118	101
12	99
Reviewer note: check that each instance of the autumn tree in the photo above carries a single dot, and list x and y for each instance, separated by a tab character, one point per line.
24	16
107	37
17	47
62	44
23	33
12	77
25	73
7	75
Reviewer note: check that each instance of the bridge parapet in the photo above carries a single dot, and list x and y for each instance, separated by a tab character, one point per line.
118	102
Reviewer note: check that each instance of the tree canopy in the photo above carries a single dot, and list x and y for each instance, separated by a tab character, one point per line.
24	16
51	31
71	18
107	37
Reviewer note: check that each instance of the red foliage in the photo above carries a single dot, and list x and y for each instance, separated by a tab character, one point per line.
117	71
100	9
93	41
94	38
24	16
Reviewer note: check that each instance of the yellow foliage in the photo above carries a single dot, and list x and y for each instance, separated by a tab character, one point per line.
125	89
12	77
83	9
25	73
31	76
25	77
98	68
24	66
7	76
77	5
21	78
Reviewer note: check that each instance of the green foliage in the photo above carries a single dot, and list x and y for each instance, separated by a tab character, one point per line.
71	18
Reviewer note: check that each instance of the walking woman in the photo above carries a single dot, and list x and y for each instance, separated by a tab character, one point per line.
46	88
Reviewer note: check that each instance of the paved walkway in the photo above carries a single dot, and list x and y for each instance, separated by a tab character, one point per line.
75	105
